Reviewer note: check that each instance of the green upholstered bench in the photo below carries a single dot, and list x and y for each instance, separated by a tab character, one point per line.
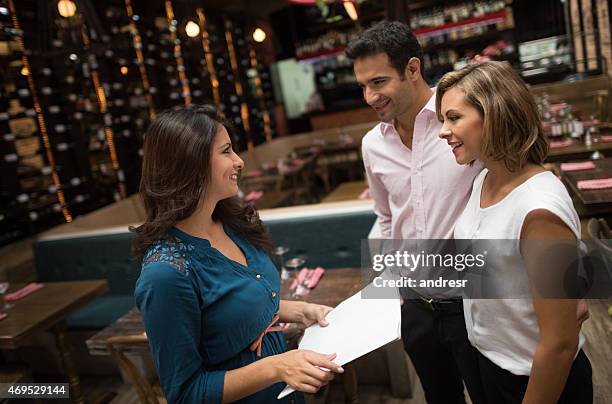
92	256
327	235
328	240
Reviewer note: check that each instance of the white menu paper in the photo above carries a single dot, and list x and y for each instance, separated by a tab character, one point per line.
356	327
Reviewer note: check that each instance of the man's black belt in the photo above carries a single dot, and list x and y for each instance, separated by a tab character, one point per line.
440	305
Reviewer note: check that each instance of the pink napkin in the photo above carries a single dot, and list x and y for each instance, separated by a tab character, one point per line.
595	184
23	292
253	173
269	165
606	138
306	280
314	149
589	123
559	144
315	277
253	196
365	194
583	165
298	161
3	316
300	278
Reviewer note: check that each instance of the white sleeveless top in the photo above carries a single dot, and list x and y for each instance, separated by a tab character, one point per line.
506	331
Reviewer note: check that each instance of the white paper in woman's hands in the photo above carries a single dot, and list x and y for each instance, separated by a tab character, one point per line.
356	327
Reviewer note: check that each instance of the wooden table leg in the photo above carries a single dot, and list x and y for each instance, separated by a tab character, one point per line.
349	382
73	378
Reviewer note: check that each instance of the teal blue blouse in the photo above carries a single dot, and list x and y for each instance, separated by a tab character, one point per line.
202	311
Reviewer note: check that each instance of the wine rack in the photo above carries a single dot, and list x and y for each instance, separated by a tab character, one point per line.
77	95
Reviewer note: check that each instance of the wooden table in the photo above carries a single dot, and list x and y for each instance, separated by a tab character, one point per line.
334	287
128	324
47	309
272	199
328	148
591	202
346	191
578	151
280	186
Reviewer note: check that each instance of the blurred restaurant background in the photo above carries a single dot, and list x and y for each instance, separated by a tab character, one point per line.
81	79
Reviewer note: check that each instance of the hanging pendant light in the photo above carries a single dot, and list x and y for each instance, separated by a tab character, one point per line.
192	29
259	35
66	8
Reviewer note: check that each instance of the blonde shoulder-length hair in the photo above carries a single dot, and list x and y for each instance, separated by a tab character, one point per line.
512	130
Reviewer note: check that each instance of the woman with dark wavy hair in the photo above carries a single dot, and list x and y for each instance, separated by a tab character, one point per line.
208	293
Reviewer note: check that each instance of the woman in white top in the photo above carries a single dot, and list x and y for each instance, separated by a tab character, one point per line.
529	350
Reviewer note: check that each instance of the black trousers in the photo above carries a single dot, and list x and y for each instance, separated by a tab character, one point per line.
504	387
441	353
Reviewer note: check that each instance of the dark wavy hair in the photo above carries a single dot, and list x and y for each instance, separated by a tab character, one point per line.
391	37
176	173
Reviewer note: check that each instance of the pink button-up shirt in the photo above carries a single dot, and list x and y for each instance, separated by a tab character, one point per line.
418	193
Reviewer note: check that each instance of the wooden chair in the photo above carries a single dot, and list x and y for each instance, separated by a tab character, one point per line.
149	393
306	189
335	163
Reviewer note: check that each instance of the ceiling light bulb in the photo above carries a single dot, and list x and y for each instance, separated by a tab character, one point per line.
350	9
259	35
66	8
192	29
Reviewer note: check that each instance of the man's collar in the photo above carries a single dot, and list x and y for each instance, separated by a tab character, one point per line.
431	104
389	127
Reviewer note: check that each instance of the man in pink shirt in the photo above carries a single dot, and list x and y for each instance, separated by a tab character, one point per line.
419	192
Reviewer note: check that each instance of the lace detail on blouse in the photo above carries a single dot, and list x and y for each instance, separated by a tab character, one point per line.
171	250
